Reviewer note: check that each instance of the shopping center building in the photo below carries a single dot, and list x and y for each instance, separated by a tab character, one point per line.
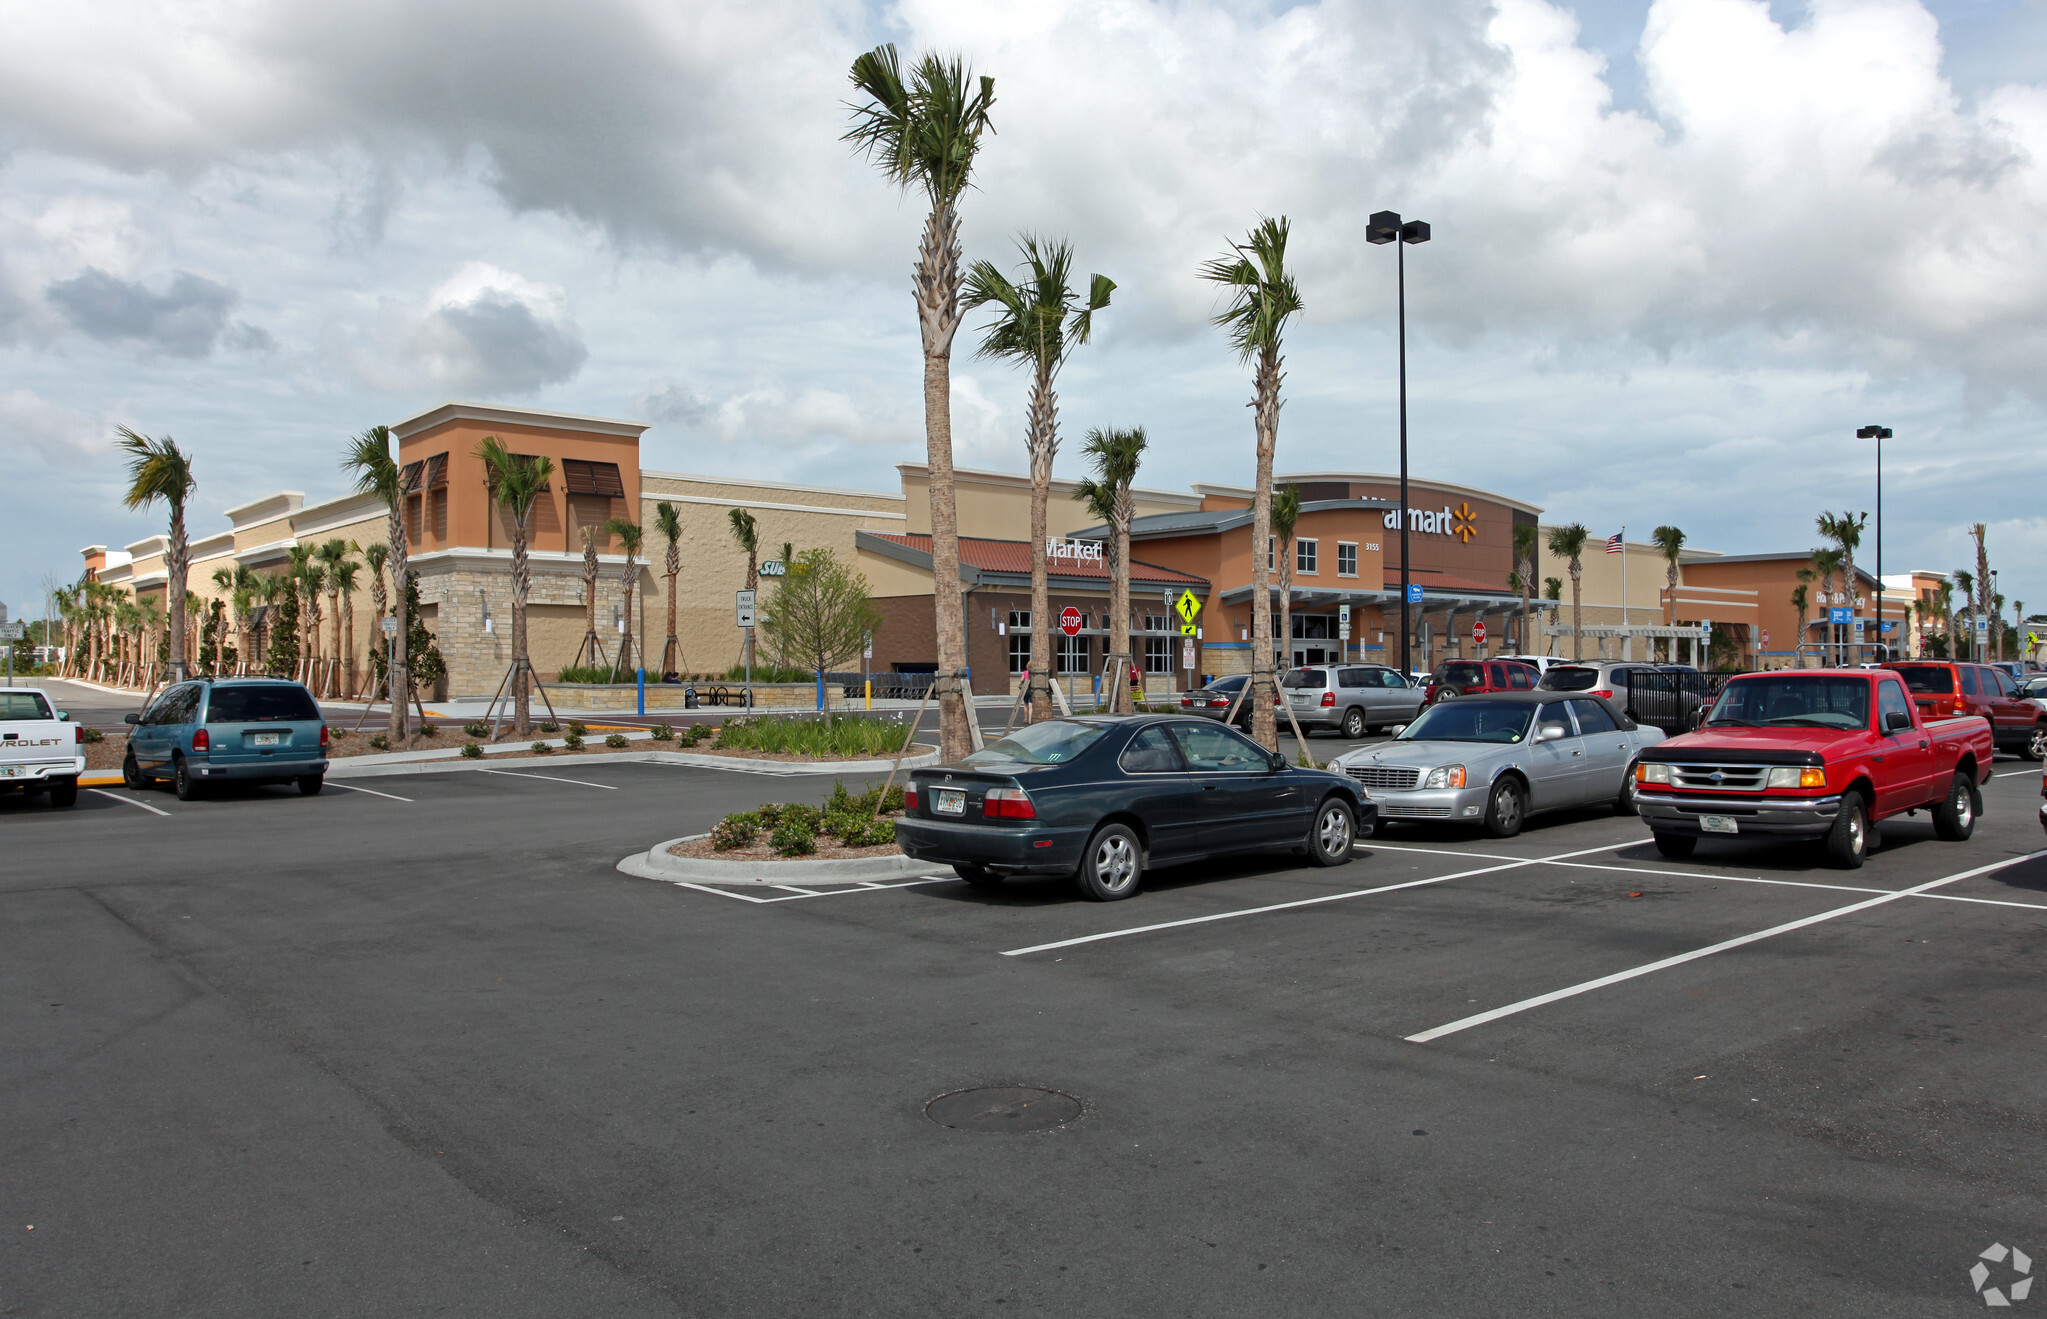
1194	542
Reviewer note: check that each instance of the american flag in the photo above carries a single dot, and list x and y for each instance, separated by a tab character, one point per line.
1613	542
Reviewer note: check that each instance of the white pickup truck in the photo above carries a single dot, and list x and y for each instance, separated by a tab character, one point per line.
41	750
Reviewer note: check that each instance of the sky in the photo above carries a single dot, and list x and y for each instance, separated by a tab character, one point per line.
1681	250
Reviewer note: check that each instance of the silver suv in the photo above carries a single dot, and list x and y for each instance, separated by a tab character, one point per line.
1353	699
1645	692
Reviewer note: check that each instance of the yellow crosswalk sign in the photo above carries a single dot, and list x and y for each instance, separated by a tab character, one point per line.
1188	608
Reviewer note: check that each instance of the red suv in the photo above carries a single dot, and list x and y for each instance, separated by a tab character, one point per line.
1476	678
1942	690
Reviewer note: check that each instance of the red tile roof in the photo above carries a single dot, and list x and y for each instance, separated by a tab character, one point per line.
1014	556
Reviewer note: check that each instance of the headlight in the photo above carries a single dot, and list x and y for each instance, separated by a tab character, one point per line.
1445	776
1787	777
1652	773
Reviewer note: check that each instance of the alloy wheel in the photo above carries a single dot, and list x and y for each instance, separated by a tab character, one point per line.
1333	830
1115	862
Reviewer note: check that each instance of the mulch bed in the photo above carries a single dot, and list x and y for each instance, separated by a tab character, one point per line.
828	849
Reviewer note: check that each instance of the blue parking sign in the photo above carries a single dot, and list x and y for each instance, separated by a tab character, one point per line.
1414	593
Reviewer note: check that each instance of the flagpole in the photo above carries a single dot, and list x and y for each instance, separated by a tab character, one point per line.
1627	642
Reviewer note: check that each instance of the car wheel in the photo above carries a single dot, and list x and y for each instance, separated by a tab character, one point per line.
1625	803
310	785
1506	809
2035	748
1955	818
1111	865
182	782
1334	831
978	876
131	773
1676	846
1848	840
1448	694
64	792
1353	723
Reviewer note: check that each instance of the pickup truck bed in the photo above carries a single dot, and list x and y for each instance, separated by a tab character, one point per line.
40	750
1824	754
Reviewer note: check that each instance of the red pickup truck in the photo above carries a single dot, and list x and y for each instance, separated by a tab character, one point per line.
1825	753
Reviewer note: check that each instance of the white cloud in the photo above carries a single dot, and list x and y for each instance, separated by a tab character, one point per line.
56	434
482	331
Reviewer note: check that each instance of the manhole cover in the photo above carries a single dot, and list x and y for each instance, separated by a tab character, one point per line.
1008	1108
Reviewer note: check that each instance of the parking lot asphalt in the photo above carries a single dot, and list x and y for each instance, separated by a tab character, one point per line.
423	1050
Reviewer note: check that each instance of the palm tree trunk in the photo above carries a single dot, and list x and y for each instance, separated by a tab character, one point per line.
1044	431
589	600
174	594
1286	606
1119	591
669	658
937	286
400	680
1265	414
348	645
1577	609
1983	609
626	657
522	581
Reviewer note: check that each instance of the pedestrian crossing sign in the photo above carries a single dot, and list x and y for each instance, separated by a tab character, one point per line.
1188	608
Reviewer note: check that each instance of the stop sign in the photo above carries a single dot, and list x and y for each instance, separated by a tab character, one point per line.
1478	634
1069	621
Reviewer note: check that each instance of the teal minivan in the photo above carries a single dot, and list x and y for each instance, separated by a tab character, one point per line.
210	730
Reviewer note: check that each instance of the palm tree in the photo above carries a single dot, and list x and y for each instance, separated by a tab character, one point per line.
344	576
1801	601
1041	321
332	555
515	483
374	558
377	473
587	652
746	533
1286	511
1670	542
925	132
1845	530
1527	537
1983	609
1115	455
631	535
1553	588
669	523
1996	615
1825	563
1262	299
1964	582
158	469
1568	544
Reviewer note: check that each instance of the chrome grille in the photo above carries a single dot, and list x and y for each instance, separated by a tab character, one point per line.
1723	778
1386	778
1411	811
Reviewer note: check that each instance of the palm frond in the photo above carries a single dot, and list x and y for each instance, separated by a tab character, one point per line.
1262	295
924	130
516	479
157	469
376	471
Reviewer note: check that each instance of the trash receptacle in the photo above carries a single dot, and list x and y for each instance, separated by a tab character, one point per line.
689	698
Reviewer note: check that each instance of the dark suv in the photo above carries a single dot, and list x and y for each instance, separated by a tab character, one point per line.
209	730
1478	678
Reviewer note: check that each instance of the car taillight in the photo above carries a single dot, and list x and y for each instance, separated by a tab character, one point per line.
1219	703
909	798
323	737
1607	695
1328	698
78	734
200	742
1008	804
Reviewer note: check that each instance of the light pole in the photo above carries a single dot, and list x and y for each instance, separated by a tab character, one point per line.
1386	227
1879	434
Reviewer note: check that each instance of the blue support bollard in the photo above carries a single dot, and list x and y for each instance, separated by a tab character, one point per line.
643	691
820	691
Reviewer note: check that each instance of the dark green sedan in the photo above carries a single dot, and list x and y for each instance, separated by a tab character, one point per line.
1104	799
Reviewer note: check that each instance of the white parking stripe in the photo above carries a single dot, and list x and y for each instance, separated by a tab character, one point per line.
1480	1019
550	778
115	796
372	791
799	895
1302	902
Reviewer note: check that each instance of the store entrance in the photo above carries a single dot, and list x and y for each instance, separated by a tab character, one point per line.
1314	640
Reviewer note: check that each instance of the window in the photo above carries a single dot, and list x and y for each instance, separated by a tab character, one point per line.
1519	679
1019	651
1305	555
1150	752
1392	678
1355	678
23	705
1073	653
587	478
1593	718
1890	700
2005	686
1305	678
1346	558
1968	680
1214	749
1269	543
1931	679
253	705
1053	742
1553	713
1157	623
1793	702
1158	654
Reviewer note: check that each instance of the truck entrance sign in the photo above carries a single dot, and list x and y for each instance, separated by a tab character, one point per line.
1069	621
743	607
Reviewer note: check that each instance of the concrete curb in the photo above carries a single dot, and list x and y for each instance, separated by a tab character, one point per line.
444	762
657	863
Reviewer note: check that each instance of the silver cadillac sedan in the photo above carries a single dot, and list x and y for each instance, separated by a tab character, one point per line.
1495	760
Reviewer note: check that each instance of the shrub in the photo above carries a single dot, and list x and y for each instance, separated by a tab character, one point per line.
769	673
871	835
768	813
843	823
477	729
833	735
695	733
663	733
792	839
590	673
735	831
578	729
380	742
471	751
542	748
429	730
550	726
807	818
574	741
93	735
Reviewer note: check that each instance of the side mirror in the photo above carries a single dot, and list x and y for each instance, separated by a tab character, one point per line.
131	718
1895	720
62	715
1696	719
1397	730
1278	762
1551	733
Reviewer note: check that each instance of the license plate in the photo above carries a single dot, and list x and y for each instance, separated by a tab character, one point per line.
1718	824
263	739
10	771
949	801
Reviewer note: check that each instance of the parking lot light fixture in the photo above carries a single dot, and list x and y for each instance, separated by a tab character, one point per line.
1879	434
1387	227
